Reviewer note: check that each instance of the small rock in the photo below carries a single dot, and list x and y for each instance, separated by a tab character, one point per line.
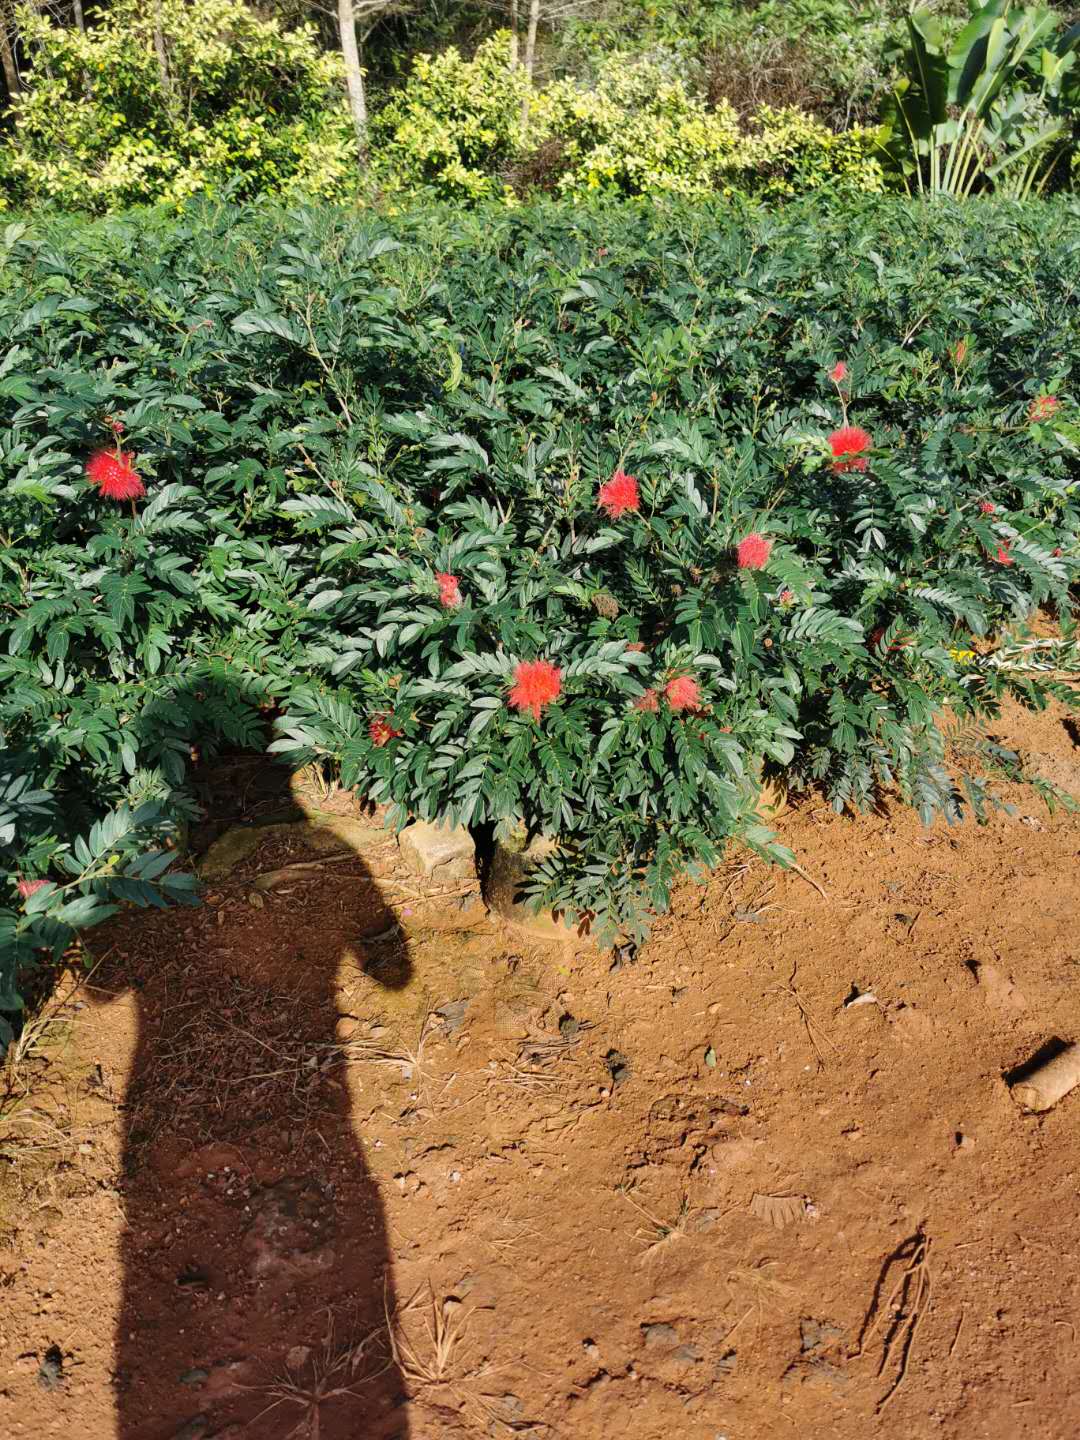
195	1427
622	955
814	1371
866	998
657	1335
438	852
816	1334
452	1014
298	1357
51	1370
619	1067
195	1377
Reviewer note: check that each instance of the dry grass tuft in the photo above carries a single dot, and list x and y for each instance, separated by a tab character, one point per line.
339	1371
658	1235
433	1356
411	1063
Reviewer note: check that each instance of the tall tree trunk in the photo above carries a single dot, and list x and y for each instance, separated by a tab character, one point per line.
530	60
80	23
161	52
7	56
514	34
354	76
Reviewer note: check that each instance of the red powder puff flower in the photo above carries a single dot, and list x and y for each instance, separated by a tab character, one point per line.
838	372
381	731
636	648
787	597
619	494
538	683
1003	557
753	552
683	693
113	476
649	701
986	507
1043	407
847	445
449	594
1057	553
26	888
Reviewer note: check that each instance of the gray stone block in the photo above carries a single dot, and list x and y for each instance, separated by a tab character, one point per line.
439	853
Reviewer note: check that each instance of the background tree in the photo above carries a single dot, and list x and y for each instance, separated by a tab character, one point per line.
167	100
8	34
356	19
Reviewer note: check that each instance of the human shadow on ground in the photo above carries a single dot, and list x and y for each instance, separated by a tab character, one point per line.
257	1272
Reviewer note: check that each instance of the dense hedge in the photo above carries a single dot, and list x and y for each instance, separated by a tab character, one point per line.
456	129
374	455
242	103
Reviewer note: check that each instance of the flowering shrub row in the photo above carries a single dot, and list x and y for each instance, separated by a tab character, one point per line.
573	519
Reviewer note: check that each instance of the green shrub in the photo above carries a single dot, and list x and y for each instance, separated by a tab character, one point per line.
329	415
244	102
824	56
790	153
455	126
637	132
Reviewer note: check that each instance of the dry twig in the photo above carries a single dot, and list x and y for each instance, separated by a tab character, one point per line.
810	1023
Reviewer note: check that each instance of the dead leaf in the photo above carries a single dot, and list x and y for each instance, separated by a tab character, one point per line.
778	1210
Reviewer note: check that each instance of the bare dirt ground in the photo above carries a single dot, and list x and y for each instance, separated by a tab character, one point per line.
766	1180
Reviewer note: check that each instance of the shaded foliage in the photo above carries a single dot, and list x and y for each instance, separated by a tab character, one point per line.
328	414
